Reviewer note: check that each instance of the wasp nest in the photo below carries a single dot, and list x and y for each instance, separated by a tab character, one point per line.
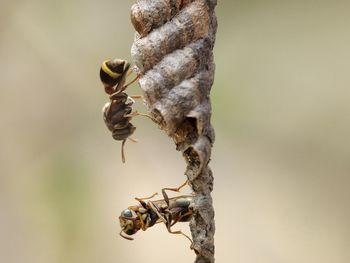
173	53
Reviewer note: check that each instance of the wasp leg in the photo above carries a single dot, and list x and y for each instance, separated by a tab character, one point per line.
119	97
142	202
131	82
123	155
166	198
129	72
142	222
166	219
180	217
136	97
159	214
145	198
181	233
136	113
178	232
120	85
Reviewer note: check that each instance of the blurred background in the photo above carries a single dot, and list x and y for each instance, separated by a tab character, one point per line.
281	157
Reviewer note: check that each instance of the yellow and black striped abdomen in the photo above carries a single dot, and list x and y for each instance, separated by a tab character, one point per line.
113	71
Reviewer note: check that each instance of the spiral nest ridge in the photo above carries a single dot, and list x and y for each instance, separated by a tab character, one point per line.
173	54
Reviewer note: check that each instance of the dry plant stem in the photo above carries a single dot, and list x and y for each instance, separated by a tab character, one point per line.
173	53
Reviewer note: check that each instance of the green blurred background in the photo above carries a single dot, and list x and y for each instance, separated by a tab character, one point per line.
281	157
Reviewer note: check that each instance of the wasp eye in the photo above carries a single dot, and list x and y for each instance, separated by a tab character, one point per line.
130	232
127	213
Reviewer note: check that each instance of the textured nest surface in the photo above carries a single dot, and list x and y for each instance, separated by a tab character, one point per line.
173	52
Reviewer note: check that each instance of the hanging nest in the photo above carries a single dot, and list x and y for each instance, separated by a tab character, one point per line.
172	51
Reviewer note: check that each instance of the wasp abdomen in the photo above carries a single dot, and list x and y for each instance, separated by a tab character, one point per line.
112	73
183	202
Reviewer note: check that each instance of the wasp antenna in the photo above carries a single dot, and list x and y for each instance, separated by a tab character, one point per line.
126	237
123	155
133	140
114	94
145	198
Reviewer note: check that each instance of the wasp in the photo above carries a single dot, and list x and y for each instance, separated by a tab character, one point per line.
146	214
117	113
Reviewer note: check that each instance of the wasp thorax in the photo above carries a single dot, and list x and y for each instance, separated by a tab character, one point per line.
128	222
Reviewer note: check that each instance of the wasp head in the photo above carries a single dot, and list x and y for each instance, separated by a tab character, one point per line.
129	223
